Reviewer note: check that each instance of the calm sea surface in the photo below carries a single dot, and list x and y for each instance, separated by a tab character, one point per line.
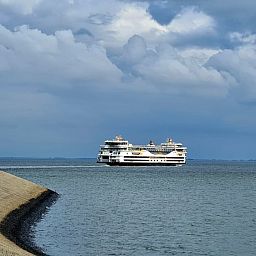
203	208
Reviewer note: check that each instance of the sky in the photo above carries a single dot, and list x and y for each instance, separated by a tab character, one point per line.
76	72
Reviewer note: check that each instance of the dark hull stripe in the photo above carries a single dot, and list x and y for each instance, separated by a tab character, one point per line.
141	159
144	164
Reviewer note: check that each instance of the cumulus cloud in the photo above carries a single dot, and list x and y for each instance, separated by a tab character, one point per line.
145	58
240	63
143	52
135	19
169	69
59	61
179	75
222	11
32	57
191	20
111	23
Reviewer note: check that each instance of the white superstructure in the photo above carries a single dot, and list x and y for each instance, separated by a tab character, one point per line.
121	152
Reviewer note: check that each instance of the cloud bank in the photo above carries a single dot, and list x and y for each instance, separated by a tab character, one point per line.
83	69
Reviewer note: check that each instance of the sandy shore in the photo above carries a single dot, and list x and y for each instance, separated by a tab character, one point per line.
18	199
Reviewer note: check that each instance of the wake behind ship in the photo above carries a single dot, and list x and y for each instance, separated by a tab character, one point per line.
120	152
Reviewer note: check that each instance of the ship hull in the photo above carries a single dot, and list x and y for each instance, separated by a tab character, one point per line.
144	164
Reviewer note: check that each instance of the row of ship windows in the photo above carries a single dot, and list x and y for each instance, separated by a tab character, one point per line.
148	157
131	158
101	152
110	150
116	143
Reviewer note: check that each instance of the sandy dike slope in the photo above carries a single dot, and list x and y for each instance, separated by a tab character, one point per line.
17	198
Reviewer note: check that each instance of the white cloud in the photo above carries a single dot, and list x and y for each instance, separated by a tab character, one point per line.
240	63
59	61
173	73
110	23
29	56
135	19
32	58
190	20
171	70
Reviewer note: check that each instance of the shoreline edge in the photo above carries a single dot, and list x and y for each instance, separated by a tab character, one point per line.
22	203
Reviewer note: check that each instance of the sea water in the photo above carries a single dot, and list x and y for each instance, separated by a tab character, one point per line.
203	208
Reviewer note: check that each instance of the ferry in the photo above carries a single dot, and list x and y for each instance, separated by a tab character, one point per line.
120	152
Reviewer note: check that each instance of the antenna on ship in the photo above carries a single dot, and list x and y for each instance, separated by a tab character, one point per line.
151	143
119	138
169	140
